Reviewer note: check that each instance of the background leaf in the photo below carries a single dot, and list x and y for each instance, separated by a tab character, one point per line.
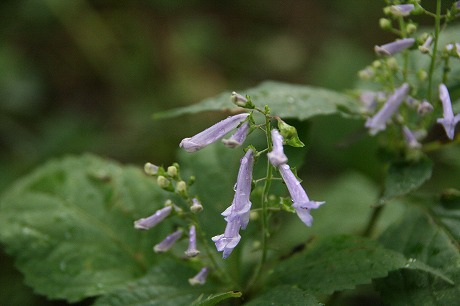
284	295
69	226
213	299
285	100
165	285
339	263
429	236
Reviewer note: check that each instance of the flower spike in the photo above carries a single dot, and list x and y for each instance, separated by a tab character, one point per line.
168	242
301	202
212	134
378	122
277	156
394	47
449	121
157	217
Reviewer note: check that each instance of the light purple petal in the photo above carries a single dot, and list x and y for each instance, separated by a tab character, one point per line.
212	134
394	47
449	121
411	140
277	156
238	138
200	278
168	242
402	9
157	217
192	251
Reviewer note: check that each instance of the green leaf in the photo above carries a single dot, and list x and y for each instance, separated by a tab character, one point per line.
284	295
429	236
165	285
213	299
342	262
285	100
69	226
404	177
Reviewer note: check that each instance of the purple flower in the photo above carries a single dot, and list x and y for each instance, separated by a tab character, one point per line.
200	278
237	214
425	48
448	121
238	99
401	9
394	47
277	156
411	139
424	108
157	217
192	251
238	138
212	134
168	242
378	122
301	202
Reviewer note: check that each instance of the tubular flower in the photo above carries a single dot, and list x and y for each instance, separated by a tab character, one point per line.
168	242
237	215
277	156
157	217
238	138
394	47
301	202
212	134
378	122
401	9
411	139
200	278
449	121
192	251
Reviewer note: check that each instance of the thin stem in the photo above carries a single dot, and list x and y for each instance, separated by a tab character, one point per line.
376	212
402	26
437	26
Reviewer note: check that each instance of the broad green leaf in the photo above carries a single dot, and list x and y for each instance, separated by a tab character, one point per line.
404	177
284	295
342	262
285	100
69	226
213	299
165	285
429	236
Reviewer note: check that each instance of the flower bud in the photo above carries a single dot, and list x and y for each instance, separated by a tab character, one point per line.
196	206
385	24
181	188
150	169
172	171
164	183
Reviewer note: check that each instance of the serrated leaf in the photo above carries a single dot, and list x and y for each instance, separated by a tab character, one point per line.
284	295
69	226
340	263
213	299
404	177
285	100
165	285
430	237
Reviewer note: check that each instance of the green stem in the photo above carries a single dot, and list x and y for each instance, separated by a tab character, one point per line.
402	26
437	26
376	212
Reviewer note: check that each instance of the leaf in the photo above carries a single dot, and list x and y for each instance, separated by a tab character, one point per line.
213	299
404	177
165	285
69	226
285	100
284	295
429	236
341	262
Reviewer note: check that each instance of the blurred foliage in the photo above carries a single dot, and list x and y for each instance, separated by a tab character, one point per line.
85	76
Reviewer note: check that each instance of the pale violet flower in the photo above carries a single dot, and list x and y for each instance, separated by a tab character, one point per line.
238	137
449	121
157	217
212	134
168	242
237	214
424	108
411	138
401	9
238	99
394	47
425	48
196	206
301	202
277	156
451	47
378	121
192	251
200	278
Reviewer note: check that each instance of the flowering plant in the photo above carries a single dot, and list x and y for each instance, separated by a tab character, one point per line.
180	234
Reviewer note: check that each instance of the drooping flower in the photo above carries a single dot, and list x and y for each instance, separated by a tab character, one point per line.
237	214
192	251
411	139
212	134
277	156
301	202
449	121
394	47
157	217
401	9
238	137
379	120
196	206
200	278
168	242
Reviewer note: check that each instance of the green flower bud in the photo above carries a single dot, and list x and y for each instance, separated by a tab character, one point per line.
164	183
422	75
150	169
385	24
172	171
392	63
181	188
411	28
